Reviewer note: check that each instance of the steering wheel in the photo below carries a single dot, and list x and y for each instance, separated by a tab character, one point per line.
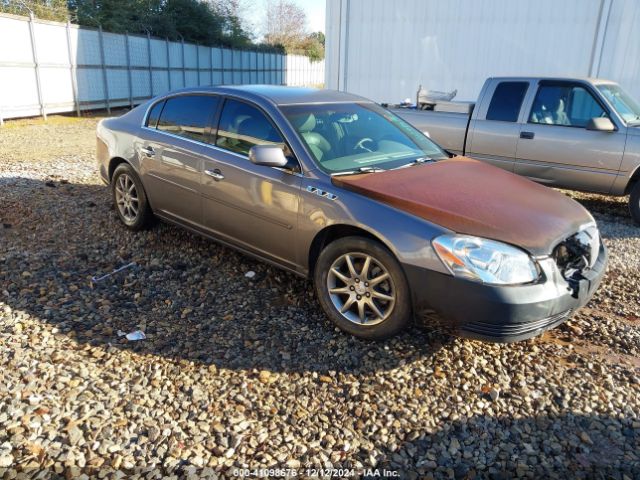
361	144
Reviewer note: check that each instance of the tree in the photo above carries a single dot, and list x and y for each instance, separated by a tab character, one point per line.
285	26
45	9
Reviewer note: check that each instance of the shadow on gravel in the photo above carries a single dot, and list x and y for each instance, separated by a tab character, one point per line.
188	294
565	446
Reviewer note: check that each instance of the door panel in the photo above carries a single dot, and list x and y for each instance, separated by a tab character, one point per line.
570	157
494	142
171	154
251	205
176	180
254	206
494	131
556	149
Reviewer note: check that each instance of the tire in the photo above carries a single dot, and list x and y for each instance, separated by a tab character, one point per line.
350	286
125	178
634	202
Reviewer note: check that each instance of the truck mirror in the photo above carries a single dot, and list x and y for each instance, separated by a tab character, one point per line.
601	124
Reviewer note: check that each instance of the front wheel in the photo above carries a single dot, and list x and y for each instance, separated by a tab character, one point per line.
634	202
362	288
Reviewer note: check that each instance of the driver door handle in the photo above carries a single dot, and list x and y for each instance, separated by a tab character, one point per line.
215	174
527	135
148	151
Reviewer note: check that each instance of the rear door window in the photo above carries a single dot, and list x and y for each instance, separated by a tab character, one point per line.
188	115
242	126
506	102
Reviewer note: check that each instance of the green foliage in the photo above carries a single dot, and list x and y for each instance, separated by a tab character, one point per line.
194	21
45	9
212	22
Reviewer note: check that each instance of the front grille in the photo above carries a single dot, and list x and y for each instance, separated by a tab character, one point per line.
578	252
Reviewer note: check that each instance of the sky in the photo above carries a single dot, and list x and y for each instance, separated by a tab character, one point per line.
315	10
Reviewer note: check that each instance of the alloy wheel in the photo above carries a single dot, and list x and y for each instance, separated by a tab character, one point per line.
127	198
361	288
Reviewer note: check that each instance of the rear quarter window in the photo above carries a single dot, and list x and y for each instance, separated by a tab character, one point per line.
154	114
506	101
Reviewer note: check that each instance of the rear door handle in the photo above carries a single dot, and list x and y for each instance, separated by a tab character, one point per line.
148	151
216	174
527	135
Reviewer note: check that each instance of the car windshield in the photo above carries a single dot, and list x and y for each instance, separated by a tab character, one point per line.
622	102
345	137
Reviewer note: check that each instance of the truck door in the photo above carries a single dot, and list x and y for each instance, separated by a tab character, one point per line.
494	129
556	147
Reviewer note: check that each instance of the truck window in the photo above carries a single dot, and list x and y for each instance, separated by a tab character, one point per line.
566	105
506	102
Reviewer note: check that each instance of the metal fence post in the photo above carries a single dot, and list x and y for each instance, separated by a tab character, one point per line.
166	41
104	71
184	66
129	79
150	68
198	61
34	51
222	65
73	71
211	63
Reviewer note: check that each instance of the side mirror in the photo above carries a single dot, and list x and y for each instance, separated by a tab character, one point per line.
268	155
601	124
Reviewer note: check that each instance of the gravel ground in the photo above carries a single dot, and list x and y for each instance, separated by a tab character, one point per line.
248	373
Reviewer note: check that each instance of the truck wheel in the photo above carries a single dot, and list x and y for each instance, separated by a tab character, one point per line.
634	202
362	288
130	199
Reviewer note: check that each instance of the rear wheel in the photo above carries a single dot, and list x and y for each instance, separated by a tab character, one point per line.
130	199
362	288
634	202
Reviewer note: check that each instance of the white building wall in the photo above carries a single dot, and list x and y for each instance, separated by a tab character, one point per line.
384	49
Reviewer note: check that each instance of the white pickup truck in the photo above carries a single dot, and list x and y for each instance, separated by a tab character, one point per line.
579	134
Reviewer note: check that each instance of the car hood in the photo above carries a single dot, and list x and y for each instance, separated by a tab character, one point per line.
471	197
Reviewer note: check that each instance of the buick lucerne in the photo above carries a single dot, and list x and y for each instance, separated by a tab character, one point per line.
332	186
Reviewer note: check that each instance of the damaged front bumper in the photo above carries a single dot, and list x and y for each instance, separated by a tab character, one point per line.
504	313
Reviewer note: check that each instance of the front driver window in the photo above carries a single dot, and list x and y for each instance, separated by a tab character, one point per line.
567	105
242	126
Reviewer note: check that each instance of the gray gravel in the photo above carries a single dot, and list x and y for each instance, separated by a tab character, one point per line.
241	372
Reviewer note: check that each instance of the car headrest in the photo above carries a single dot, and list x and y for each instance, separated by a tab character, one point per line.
255	128
304	123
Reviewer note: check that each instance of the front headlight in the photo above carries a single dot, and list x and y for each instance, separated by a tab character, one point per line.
484	260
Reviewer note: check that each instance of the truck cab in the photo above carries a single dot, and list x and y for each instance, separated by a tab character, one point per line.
579	134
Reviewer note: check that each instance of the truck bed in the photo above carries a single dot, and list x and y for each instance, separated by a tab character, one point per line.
448	127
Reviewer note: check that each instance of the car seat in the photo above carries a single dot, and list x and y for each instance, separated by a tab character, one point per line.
318	144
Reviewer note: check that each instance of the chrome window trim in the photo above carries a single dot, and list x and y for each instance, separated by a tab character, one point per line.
216	148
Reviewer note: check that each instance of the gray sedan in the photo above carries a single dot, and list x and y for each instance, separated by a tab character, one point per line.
332	186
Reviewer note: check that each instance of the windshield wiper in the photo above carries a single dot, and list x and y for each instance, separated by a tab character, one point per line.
358	171
417	161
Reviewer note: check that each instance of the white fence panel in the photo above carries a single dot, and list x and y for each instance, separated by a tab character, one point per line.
68	68
300	70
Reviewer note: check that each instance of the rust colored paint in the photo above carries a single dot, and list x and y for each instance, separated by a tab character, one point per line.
471	197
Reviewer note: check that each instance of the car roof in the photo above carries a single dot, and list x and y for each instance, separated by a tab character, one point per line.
595	81
280	95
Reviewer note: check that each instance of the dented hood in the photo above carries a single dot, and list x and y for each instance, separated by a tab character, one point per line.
471	197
